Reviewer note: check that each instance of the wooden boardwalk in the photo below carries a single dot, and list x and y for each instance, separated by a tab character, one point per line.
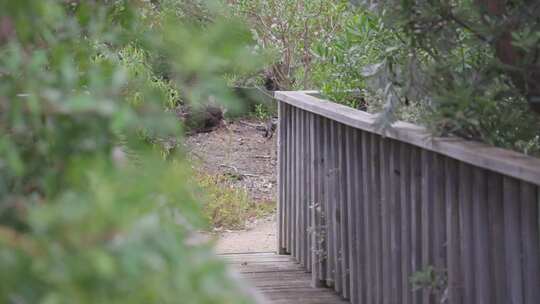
279	279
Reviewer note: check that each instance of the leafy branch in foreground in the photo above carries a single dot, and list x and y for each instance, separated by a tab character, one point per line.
89	210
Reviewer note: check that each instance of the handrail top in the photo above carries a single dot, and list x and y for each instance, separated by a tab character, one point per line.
503	161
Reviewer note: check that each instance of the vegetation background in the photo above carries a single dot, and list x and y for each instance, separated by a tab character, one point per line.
97	203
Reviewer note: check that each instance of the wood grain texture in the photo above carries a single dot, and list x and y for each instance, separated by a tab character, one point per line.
282	126
513	252
367	207
355	240
530	234
466	228
364	213
453	235
343	210
503	161
279	281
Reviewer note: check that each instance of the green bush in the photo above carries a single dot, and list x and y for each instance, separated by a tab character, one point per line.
90	212
461	69
287	32
340	72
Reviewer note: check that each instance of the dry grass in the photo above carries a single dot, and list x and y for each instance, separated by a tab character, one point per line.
228	207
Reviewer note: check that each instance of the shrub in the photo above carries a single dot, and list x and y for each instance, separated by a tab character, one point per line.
439	64
288	31
89	210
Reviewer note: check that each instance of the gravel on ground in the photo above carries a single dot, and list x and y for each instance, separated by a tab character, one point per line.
239	149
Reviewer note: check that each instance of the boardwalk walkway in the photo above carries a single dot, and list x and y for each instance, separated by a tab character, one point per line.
279	279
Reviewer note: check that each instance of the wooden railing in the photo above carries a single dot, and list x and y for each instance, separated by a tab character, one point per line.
369	213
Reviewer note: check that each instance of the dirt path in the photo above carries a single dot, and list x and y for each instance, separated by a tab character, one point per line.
261	237
240	151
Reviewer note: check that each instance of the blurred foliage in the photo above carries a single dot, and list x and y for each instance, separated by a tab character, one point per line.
90	212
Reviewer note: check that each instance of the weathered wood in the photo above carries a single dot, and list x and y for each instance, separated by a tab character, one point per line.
416	217
364	213
427	218
513	253
367	204
317	189
282	126
503	161
406	222
358	219
353	182
281	282
466	228
376	216
395	222
297	194
335	238
530	235
288	180
481	258
439	218
385	185
309	193
302	204
343	211
452	231
496	214
328	197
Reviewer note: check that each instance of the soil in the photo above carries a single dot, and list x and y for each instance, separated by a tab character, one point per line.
238	149
260	237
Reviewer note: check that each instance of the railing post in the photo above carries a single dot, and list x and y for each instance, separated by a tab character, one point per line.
365	212
317	229
282	126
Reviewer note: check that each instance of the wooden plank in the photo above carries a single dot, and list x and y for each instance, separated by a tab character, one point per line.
283	282
350	181
292	211
358	222
281	175
308	181
290	175
452	231
305	192
482	250
466	228
503	161
530	238
428	177
439	218
512	229
353	159
302	204
297	238
318	243
367	206
496	218
343	211
416	218
385	184
406	221
395	222
376	228
328	203
335	237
